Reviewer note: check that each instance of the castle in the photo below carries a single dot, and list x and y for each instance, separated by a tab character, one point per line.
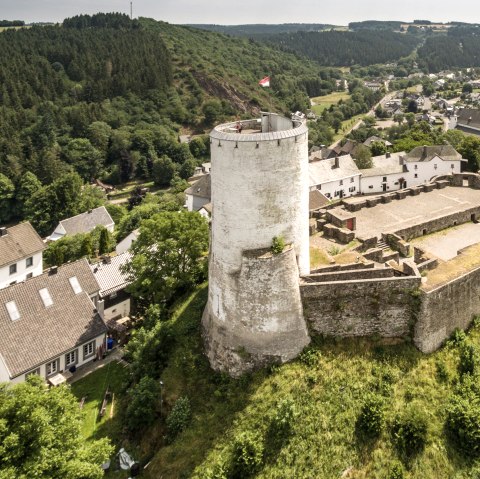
264	305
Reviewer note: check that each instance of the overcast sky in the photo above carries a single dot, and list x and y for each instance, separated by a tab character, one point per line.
233	12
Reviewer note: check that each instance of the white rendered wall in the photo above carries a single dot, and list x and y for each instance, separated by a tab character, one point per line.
425	170
120	309
258	193
329	189
36	269
374	184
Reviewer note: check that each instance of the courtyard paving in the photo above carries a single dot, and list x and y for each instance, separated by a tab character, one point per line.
413	210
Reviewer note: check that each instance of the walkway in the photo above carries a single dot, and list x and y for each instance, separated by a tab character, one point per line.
115	355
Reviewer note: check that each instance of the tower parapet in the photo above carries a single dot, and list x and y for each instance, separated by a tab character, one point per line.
259	184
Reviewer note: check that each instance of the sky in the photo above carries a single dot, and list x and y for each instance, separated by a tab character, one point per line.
234	12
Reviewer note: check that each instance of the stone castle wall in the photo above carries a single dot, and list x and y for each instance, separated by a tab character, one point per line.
377	306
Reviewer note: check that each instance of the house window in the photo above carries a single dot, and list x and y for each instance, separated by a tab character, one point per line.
452	166
416	167
52	367
384	178
88	349
29	275
13	268
113	295
435	166
29	262
71	358
75	285
415	175
371	186
46	298
352	180
319	187
341	182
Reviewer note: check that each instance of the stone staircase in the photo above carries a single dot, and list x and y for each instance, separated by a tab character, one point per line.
382	245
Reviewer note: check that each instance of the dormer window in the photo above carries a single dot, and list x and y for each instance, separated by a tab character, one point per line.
12	310
46	298
75	285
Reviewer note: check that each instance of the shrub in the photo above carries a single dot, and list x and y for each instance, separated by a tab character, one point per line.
179	417
278	244
281	424
469	359
463	417
247	455
142	404
371	419
409	432
396	471
457	338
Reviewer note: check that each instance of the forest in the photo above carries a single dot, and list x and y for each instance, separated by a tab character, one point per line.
106	97
335	48
459	49
252	30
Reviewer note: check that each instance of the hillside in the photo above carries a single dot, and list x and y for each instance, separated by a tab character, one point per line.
364	47
458	49
108	97
263	28
317	398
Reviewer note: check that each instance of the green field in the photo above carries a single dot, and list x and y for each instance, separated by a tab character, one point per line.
327	386
321	103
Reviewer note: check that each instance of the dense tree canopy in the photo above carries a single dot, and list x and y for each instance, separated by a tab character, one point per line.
40	435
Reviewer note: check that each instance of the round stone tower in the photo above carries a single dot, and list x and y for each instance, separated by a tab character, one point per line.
259	188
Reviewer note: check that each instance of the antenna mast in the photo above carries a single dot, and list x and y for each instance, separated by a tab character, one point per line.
131	10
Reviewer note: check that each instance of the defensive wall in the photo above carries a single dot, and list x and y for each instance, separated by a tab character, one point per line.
363	300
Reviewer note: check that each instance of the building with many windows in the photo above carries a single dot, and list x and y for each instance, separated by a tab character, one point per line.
21	254
50	323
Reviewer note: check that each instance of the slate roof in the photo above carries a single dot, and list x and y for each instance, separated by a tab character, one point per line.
21	241
469	118
384	165
201	188
109	275
427	153
86	222
316	199
44	333
324	171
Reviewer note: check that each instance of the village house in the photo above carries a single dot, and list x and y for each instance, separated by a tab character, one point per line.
21	254
387	174
113	282
50	324
468	120
198	194
83	223
127	242
335	178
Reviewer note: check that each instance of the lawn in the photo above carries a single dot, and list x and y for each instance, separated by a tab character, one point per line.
93	388
327	385
321	103
346	126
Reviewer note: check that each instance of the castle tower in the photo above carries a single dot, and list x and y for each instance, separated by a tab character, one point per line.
259	186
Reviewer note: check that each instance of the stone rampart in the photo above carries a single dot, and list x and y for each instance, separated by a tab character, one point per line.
381	306
445	308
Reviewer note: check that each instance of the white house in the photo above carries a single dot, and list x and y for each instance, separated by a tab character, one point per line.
50	324
394	171
387	174
83	223
336	177
21	254
425	162
127	242
198	194
113	281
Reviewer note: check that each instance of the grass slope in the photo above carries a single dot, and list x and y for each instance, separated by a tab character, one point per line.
321	103
327	385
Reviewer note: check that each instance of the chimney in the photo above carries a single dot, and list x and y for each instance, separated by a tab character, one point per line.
3	231
387	155
337	162
424	151
53	270
101	308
